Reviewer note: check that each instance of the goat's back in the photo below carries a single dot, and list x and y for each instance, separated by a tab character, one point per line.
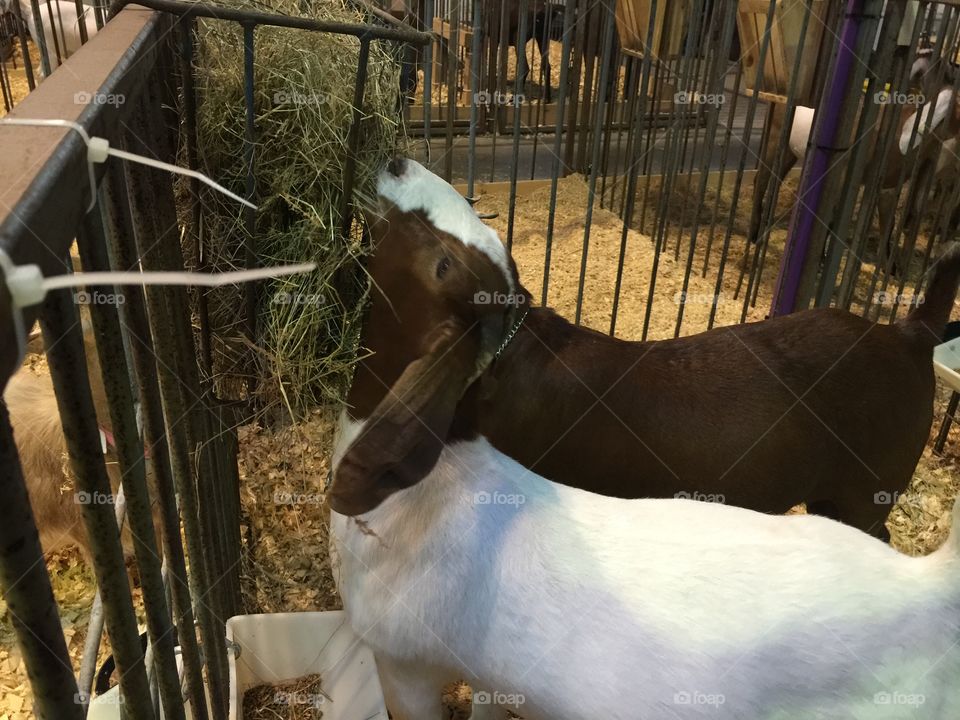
591	606
815	405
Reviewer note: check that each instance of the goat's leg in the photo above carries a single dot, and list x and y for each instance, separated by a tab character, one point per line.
543	47
768	167
412	690
523	69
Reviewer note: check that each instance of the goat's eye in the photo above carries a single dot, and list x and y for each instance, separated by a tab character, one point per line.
442	267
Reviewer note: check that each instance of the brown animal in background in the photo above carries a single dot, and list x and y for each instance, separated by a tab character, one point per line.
42	448
934	150
822	406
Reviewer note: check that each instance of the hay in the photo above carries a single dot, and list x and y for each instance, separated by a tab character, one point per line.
300	699
304	85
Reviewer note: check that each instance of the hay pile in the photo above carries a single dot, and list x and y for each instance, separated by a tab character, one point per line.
304	85
300	699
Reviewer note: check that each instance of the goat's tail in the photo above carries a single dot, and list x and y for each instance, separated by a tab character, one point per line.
929	318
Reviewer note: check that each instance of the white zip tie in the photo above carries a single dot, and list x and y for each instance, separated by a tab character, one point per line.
98	150
28	286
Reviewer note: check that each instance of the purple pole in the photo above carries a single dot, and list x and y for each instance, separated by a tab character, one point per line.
811	182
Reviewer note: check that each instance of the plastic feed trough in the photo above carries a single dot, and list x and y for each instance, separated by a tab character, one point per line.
280	647
946	363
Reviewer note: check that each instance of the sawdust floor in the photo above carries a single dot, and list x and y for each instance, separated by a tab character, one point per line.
13	67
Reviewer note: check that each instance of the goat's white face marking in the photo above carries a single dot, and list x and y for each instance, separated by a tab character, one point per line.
941	106
419	189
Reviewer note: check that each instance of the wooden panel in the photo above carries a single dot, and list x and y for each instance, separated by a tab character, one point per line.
633	18
784	44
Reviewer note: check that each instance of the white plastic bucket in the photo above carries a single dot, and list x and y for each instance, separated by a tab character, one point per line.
279	647
946	363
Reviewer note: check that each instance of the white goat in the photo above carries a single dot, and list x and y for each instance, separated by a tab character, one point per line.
58	17
564	604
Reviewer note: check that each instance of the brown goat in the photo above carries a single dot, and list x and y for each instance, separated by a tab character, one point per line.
822	407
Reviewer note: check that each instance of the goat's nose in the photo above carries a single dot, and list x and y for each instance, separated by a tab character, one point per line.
396	166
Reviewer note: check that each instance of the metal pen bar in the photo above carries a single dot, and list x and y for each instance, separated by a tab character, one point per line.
91	242
568	14
634	168
120	222
185	28
68	369
609	29
741	165
253	17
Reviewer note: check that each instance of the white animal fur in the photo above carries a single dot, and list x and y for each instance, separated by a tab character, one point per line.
803	125
596	607
420	189
66	23
941	107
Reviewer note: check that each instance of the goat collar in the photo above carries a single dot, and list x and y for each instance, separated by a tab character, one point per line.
513	331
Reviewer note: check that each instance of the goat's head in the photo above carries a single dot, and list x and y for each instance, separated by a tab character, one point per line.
445	293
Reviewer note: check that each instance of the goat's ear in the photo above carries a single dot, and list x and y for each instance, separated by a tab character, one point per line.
403	437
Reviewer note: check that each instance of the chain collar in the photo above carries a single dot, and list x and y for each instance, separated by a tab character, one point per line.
513	331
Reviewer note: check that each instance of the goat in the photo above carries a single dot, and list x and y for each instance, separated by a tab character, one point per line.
763	415
42	447
60	24
933	150
453	560
544	23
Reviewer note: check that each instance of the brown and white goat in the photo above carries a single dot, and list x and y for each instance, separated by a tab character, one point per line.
561	604
822	406
933	151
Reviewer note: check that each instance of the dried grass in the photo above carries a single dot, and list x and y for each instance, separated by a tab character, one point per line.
303	98
300	699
